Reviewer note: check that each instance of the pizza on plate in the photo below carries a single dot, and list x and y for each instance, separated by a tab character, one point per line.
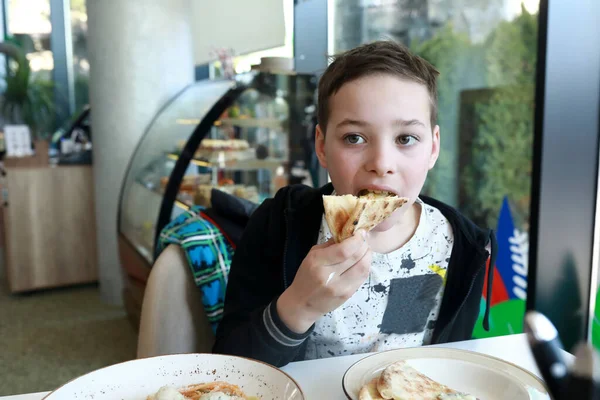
400	381
203	391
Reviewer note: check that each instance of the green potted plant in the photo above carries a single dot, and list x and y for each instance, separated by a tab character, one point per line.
26	99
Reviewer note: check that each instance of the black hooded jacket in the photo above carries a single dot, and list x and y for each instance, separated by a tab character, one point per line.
279	235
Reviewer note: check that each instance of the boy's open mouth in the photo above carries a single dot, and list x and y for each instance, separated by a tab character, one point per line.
375	193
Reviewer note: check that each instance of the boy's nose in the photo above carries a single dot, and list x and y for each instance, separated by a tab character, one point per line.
381	161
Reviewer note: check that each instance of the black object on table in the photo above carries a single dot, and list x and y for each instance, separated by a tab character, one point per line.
580	381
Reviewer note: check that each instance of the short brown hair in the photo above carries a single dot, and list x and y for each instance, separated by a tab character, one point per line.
380	57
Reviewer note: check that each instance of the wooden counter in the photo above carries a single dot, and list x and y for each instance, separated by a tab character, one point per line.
50	227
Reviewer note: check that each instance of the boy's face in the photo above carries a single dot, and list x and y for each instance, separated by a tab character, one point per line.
379	136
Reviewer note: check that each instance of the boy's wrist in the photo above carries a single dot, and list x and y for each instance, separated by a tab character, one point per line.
293	314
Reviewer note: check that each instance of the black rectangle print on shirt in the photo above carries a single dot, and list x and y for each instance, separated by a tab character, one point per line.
410	301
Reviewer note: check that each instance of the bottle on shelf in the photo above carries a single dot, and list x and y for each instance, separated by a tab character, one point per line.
280	179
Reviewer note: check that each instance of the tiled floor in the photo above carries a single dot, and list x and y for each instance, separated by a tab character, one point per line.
50	337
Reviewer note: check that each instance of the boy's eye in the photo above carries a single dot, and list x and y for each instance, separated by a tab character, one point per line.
353	139
407	140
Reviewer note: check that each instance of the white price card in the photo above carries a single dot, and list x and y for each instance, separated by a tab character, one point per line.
17	140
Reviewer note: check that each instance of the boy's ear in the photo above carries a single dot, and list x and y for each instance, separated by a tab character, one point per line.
320	146
435	146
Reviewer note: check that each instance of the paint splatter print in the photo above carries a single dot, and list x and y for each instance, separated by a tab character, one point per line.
398	304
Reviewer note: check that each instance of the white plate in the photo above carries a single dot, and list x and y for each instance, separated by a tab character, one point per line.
487	378
137	379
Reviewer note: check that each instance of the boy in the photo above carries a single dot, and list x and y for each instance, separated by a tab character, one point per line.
294	294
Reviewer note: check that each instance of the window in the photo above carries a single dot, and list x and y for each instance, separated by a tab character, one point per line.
29	25
31	102
243	63
81	66
486	52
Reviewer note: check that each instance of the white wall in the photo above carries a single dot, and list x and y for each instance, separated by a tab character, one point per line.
141	55
245	26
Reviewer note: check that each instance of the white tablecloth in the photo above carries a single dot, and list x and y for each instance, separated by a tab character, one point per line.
323	378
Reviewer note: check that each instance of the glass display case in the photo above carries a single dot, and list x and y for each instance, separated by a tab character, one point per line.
247	136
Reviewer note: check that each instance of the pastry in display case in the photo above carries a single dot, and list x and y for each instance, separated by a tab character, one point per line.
247	136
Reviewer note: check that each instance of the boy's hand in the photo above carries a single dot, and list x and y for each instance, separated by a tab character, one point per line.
328	276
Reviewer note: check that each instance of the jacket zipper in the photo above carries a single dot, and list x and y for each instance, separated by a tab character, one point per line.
451	322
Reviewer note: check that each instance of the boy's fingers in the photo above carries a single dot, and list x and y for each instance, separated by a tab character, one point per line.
337	252
359	269
351	279
346	254
342	255
324	244
346	283
349	271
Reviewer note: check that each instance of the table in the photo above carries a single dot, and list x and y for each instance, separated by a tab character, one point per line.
513	348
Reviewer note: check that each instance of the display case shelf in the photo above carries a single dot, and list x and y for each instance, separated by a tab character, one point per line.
270	164
269	123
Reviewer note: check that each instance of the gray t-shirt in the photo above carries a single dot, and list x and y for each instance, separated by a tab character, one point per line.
399	303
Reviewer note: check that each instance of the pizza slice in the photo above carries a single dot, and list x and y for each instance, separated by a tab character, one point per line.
369	391
337	212
347	214
400	381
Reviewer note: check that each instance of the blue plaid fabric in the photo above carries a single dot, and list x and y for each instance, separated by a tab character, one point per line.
208	252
